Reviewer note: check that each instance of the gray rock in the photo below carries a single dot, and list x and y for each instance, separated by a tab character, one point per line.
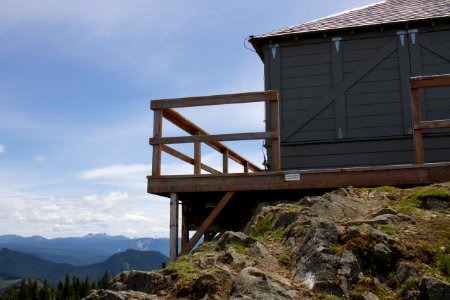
204	285
140	281
383	211
382	256
265	257
231	237
404	271
234	259
252	283
435	204
284	219
434	289
349	266
382	217
118	295
306	201
315	262
369	296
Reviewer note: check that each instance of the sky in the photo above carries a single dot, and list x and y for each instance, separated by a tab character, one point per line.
76	78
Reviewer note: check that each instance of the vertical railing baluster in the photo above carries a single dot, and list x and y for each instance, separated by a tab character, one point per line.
225	161
157	133
275	124
197	157
418	139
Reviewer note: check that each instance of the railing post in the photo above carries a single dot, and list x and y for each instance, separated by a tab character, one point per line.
173	226
418	140
275	123
225	161
197	156
157	132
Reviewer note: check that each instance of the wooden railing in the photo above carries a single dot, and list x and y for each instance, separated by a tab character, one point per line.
418	125
164	109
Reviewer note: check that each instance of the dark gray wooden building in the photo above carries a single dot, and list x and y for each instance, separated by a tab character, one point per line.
345	89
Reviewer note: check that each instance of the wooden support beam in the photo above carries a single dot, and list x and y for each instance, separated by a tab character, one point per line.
173	226
184	225
157	131
187	159
430	81
206	223
214	137
246	167
433	124
178	120
409	174
214	100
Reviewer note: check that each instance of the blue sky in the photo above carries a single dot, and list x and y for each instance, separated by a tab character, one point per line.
76	78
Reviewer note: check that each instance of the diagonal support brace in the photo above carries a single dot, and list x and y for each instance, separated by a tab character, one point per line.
206	223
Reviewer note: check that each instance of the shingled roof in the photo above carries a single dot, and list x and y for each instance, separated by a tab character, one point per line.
384	12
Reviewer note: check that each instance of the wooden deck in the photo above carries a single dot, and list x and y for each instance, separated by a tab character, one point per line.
214	202
301	180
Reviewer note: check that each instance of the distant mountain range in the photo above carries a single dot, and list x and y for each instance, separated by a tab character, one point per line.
80	251
15	265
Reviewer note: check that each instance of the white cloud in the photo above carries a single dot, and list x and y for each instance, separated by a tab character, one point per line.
30	214
106	201
2	149
114	171
39	158
135	217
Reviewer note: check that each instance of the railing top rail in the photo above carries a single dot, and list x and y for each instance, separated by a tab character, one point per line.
214	100
430	81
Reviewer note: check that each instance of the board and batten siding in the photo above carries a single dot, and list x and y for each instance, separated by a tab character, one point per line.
345	100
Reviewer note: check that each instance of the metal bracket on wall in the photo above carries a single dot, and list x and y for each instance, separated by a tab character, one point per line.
402	34
412	33
274	50
336	40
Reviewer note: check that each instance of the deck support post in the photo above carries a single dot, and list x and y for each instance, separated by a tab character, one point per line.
173	226
184	225
206	223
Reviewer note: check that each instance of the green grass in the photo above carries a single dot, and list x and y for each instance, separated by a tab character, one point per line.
323	296
411	283
443	262
188	271
421	196
239	248
384	188
261	228
389	229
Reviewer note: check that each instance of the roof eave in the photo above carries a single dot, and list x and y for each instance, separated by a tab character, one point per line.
258	41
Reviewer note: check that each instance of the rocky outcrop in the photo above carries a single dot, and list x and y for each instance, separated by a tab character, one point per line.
351	244
122	295
252	283
434	289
